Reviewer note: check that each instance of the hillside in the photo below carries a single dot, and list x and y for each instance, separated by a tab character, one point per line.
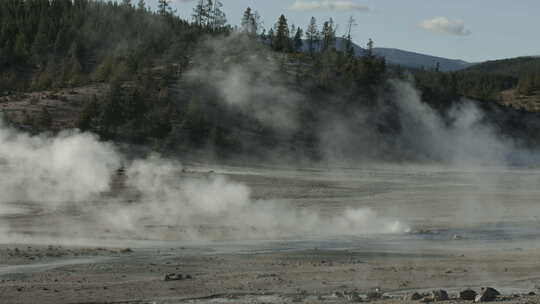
156	80
408	59
514	67
522	72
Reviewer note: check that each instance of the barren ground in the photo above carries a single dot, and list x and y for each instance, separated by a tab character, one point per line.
469	228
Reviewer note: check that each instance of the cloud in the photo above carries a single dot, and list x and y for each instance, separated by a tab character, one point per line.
445	26
328	5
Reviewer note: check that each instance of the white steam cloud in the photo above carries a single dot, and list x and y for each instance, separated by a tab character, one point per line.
247	77
68	178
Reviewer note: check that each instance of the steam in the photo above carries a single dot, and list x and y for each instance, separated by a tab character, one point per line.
71	167
71	173
465	139
247	78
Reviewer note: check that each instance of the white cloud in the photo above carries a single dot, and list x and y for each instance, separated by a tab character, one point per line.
443	25
328	5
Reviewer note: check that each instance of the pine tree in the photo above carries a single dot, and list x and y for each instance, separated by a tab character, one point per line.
163	7
349	48
271	37
245	24
141	5
218	17
282	43
298	42
369	50
251	22
329	35
200	14
312	34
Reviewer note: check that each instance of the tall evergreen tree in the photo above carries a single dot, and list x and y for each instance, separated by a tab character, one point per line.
163	7
282	40
251	22
141	5
349	49
298	40
328	35
312	34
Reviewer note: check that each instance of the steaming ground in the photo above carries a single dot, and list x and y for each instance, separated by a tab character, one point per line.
399	228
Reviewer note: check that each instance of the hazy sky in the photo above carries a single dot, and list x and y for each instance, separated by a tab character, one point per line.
473	30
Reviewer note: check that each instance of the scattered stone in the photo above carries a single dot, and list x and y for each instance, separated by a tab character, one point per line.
532	293
173	277
354	297
468	295
439	295
126	250
374	295
414	297
338	294
487	294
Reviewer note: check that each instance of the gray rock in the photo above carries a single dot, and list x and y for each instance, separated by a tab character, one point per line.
487	294
173	277
468	295
354	297
414	297
439	295
374	295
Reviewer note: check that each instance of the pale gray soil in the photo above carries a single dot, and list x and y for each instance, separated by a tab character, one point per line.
494	214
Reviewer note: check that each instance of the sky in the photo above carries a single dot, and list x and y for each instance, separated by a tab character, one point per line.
472	30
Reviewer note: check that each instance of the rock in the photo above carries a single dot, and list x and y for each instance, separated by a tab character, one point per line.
354	297
532	293
439	295
457	237
414	297
468	295
338	294
173	277
374	295
487	294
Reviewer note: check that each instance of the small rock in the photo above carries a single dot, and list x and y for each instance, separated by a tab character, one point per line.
173	277
354	297
468	295
439	295
532	293
414	297
487	294
338	294
374	295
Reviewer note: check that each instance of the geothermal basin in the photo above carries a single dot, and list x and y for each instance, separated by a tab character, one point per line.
277	235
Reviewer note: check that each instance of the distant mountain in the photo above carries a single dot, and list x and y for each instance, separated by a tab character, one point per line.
408	59
416	60
514	67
